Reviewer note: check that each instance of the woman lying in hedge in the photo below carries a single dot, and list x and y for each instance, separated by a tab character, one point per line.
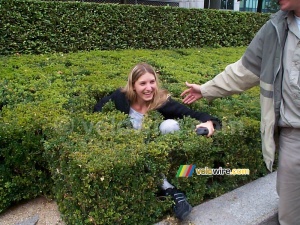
142	94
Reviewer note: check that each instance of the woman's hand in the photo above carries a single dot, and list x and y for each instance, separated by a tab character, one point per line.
192	94
209	125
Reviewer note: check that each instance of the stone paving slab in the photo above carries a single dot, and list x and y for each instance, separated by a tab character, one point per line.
31	221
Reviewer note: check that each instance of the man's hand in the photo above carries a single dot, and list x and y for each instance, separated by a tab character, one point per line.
192	94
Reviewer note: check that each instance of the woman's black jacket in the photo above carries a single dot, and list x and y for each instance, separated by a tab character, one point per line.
171	109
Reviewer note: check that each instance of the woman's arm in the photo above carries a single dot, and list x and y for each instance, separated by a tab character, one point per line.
173	110
98	107
118	97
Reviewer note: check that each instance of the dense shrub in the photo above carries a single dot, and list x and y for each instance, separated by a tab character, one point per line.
24	173
98	169
37	27
105	173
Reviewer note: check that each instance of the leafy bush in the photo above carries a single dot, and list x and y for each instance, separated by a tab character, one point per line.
98	169
37	27
24	174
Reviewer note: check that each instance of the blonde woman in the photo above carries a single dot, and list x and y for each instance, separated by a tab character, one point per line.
141	94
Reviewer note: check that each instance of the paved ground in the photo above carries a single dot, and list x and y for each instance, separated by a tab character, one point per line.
39	211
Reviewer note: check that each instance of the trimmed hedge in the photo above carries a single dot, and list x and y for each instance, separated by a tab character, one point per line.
111	174
35	27
98	169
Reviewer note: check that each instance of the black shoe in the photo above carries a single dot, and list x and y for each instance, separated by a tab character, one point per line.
181	208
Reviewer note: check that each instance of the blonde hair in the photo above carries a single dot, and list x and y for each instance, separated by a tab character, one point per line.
160	95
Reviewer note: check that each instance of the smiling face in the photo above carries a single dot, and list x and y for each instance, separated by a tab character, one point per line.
292	5
145	87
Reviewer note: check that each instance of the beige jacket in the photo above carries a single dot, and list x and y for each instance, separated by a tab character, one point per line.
261	65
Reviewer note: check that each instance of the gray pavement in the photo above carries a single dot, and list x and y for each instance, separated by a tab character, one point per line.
31	221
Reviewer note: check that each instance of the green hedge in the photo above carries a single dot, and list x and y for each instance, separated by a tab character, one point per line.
24	174
37	27
100	175
98	169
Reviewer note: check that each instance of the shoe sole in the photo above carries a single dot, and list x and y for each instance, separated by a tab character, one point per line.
186	213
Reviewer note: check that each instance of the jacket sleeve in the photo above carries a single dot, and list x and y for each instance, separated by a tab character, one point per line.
98	107
174	110
118	97
235	79
241	75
